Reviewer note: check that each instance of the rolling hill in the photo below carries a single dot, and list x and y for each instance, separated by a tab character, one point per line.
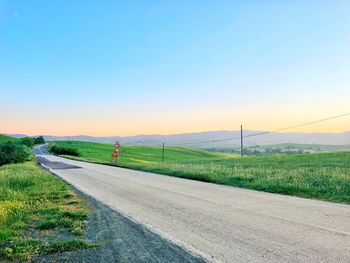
200	139
5	138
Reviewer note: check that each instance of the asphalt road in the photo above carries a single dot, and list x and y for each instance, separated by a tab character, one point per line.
223	224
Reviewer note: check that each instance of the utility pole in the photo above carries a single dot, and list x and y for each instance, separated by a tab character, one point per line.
241	141
163	154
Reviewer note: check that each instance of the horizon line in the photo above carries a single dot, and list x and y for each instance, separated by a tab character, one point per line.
169	134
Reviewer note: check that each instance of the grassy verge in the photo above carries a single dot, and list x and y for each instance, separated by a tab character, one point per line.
322	176
34	208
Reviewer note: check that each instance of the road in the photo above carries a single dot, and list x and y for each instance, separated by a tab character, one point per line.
221	223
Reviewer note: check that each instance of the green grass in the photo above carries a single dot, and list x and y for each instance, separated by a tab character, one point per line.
5	138
312	148
59	246
32	203
323	176
25	249
101	153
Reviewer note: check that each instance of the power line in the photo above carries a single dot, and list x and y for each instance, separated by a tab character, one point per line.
300	125
277	130
312	122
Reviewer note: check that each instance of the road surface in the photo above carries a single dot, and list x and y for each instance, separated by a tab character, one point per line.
221	223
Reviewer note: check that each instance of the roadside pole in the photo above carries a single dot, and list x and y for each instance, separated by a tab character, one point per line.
241	141
163	154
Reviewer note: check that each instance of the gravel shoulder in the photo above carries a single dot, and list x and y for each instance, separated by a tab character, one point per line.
120	240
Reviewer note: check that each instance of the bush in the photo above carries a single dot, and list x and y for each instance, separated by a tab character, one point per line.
30	142
12	153
39	140
64	150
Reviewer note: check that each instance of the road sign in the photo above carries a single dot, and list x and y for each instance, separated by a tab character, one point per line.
115	153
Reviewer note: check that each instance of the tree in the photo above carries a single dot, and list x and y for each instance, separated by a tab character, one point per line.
39	140
12	153
28	141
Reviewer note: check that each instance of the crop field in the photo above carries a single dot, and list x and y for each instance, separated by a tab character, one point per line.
323	176
36	210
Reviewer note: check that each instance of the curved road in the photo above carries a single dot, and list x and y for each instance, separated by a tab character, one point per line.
222	224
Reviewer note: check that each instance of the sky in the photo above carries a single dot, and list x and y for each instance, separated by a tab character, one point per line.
106	68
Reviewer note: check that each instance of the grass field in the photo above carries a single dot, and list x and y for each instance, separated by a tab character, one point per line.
101	153
5	138
323	176
313	147
34	207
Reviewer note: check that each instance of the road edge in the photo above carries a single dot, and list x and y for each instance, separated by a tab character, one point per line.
187	248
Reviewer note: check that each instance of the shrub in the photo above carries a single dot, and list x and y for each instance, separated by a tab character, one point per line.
39	140
30	142
64	150
12	153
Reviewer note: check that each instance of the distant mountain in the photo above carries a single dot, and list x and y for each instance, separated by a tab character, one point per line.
212	138
17	135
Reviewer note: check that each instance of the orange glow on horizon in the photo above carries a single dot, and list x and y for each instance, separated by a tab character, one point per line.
145	127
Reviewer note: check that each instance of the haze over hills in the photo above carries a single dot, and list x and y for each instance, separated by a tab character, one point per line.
204	139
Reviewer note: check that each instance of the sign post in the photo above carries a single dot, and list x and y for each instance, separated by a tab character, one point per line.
115	153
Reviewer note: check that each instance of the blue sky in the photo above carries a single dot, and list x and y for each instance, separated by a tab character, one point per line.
131	67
